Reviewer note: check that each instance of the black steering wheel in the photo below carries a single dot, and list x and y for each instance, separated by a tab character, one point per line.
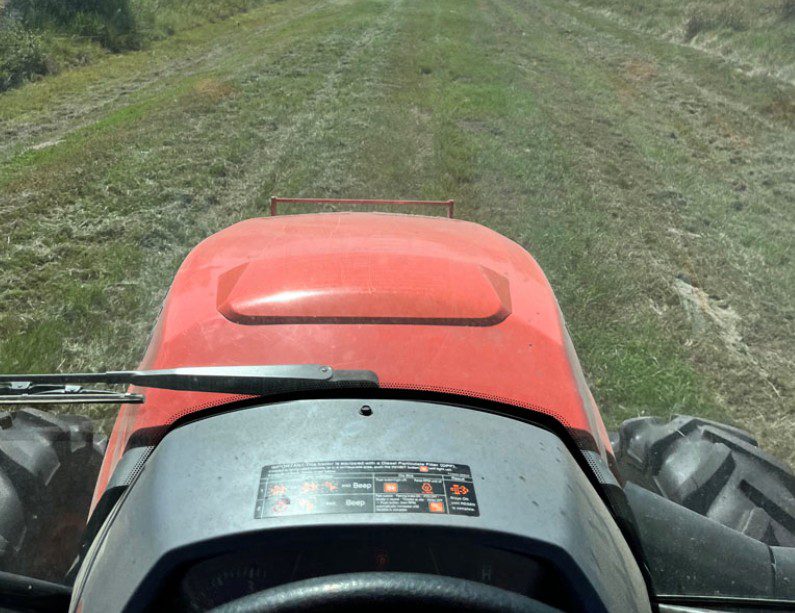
384	592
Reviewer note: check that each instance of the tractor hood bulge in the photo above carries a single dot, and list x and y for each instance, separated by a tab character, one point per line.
407	297
381	288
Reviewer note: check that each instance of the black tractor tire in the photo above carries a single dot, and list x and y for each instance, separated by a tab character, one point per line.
48	468
716	470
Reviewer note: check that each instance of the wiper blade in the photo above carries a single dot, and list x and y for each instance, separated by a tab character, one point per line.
25	392
245	380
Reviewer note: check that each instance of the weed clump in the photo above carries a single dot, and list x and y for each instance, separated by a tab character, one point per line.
730	18
694	26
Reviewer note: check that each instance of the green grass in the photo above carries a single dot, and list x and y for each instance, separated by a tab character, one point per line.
648	162
757	34
39	37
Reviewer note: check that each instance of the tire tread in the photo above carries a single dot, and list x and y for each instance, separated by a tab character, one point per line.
48	467
714	469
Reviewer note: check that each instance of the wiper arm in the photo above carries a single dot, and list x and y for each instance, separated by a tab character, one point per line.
246	380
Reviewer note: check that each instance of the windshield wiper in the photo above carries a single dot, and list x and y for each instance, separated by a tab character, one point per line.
246	380
25	392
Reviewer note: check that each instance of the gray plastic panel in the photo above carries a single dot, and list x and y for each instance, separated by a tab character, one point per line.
202	483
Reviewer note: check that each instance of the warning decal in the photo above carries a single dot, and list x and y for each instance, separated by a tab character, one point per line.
371	486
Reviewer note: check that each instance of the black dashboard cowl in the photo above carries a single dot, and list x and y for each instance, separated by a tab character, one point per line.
504	503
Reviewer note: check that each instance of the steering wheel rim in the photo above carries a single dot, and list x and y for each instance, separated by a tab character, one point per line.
384	591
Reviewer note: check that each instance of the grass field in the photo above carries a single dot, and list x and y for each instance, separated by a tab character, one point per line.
41	37
757	36
654	182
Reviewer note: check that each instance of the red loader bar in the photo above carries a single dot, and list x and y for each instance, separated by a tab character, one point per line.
448	204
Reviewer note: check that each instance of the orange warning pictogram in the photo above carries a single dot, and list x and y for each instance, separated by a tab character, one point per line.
459	490
306	505
423	469
277	490
281	505
309	486
427	488
436	507
390	488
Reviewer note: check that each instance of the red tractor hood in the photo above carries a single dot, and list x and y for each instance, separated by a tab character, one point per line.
427	303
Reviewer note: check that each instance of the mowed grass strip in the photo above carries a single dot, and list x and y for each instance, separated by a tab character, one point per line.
549	124
471	122
756	36
96	224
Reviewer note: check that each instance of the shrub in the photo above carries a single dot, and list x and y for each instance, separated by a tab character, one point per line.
109	22
22	54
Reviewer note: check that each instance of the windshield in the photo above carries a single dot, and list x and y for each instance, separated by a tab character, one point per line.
640	154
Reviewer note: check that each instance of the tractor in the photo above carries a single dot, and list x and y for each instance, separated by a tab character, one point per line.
352	411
